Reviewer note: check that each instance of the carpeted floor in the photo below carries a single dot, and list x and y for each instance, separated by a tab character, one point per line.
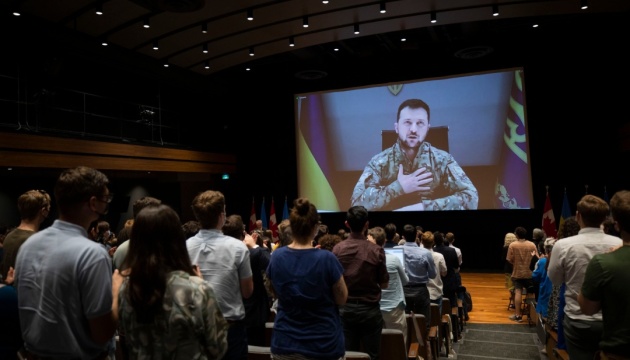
498	341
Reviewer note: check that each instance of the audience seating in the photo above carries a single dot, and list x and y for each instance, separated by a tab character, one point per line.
393	345
258	352
357	355
435	333
460	315
550	346
417	337
268	333
451	313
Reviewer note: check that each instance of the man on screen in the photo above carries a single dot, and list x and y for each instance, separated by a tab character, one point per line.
412	174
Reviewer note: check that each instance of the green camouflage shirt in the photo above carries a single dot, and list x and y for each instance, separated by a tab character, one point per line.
190	325
379	189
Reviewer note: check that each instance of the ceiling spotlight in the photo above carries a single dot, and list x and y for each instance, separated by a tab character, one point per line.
356	29
324	1
99	9
291	41
336	49
165	63
584	4
403	39
204	28
206	65
16	12
104	43
251	51
204	48
250	14
155	45
433	17
305	21
145	23
495	10
247	69
383	8
535	25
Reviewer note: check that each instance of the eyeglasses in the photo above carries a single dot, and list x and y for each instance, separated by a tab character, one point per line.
107	198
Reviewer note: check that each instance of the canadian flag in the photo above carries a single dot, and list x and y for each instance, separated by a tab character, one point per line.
252	218
548	220
273	225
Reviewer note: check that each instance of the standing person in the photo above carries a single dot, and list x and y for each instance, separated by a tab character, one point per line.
390	235
520	254
34	208
167	311
412	174
507	266
224	263
569	259
256	306
450	237
365	274
392	298
309	285
121	250
420	268
451	281
67	295
605	287
435	285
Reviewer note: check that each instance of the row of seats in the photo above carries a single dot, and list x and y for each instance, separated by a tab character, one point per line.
445	327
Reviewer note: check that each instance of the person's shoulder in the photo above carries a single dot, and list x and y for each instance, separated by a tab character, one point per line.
437	152
383	155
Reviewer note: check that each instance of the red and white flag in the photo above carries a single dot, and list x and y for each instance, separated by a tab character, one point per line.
252	218
548	220
273	225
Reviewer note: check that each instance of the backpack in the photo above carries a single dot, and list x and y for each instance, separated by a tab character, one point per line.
468	301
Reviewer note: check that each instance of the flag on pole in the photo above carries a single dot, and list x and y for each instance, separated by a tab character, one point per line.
285	211
512	187
273	226
548	220
566	210
252	218
263	215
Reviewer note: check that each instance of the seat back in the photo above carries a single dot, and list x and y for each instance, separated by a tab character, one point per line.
357	355
268	333
393	345
417	336
258	352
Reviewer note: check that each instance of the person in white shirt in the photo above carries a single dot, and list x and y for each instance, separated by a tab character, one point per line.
568	263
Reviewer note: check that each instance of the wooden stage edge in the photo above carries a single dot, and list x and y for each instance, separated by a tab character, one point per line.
490	298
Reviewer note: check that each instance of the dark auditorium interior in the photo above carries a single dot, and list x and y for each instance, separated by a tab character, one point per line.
52	62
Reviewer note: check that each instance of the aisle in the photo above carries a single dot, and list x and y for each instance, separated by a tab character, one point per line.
490	298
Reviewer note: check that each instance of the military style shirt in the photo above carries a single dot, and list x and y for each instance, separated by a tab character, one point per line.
378	187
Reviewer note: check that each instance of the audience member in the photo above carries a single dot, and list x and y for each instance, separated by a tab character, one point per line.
34	208
520	254
507	266
540	277
328	241
256	306
309	284
121	251
167	311
609	227
365	274
390	235
555	311
435	285
450	237
568	262
190	228
342	234
284	233
605	287
68	297
451	282
420	268
10	332
393	298
224	263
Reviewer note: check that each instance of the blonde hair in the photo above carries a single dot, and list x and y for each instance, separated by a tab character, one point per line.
509	238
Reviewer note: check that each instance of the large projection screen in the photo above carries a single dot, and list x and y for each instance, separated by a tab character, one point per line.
478	158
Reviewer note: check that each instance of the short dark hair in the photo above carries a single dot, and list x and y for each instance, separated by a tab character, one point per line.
207	206
593	210
390	232
234	227
378	233
357	217
77	185
620	209
414	104
520	232
143	202
410	233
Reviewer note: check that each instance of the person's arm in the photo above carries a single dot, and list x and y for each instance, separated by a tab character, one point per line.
554	269
442	267
430	266
402	274
247	287
371	190
340	291
538	275
588	307
460	193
